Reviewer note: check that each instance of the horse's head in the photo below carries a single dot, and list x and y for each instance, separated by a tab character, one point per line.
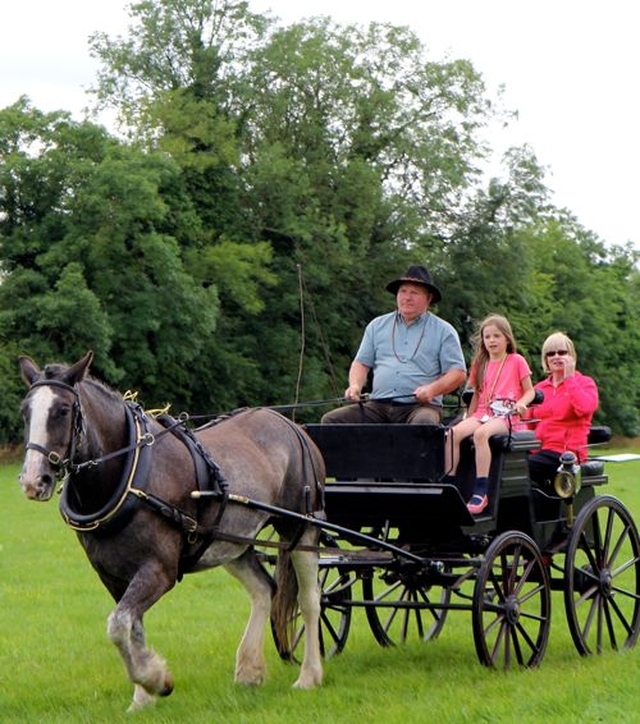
51	412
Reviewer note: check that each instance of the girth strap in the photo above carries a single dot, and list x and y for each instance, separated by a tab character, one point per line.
209	480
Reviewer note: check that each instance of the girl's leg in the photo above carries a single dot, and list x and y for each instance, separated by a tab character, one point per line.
495	426
479	500
452	445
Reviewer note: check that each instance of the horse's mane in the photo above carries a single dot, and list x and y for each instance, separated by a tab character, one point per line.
53	371
56	370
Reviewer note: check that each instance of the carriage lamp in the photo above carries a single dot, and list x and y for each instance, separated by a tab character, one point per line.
568	479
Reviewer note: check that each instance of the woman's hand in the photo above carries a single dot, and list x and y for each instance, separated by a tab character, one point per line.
569	364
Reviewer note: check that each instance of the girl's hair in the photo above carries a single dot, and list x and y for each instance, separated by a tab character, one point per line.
481	356
555	341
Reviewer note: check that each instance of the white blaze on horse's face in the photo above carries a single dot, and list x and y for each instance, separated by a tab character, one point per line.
36	477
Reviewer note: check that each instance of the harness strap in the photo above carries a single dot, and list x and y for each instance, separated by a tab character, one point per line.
175	515
260	543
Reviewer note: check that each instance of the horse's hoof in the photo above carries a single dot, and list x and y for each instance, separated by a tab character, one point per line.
250	678
308	681
141	699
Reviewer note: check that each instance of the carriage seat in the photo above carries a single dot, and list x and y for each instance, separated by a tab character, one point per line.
517	440
592	468
526	440
598	435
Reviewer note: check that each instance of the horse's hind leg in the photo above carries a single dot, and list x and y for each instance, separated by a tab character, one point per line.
251	668
305	564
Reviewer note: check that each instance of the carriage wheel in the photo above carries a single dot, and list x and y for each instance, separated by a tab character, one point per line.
405	606
602	577
335	609
511	603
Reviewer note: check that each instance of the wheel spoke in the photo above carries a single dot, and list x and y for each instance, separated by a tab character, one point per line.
606	607
406	608
622	618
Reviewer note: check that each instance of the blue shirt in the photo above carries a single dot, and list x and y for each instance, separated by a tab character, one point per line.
404	357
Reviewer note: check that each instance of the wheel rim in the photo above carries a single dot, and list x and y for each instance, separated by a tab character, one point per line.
511	612
602	578
404	607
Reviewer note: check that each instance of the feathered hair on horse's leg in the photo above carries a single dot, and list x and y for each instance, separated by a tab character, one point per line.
284	604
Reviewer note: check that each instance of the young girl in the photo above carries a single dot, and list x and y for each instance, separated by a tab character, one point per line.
498	375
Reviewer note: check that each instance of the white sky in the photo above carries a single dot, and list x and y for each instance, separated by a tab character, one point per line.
569	68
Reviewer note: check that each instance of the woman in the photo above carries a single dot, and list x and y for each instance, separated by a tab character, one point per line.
570	399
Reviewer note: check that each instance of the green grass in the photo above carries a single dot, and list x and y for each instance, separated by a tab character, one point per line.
57	665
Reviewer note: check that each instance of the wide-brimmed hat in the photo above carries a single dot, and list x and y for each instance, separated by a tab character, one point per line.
416	275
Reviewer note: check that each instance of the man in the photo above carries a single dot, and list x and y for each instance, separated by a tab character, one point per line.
415	357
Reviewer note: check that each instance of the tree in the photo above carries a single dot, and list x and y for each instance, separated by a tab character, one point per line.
342	148
89	231
591	293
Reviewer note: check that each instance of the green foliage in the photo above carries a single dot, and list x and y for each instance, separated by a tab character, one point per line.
115	212
275	179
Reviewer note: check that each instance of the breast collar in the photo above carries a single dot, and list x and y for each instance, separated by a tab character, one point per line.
134	476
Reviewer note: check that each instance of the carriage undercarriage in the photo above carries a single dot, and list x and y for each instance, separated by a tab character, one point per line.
404	549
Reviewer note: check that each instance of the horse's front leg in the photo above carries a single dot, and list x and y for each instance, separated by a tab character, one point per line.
146	669
251	668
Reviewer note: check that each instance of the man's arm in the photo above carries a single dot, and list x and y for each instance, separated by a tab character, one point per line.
448	382
358	374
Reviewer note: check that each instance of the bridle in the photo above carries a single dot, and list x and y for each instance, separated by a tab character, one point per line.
62	465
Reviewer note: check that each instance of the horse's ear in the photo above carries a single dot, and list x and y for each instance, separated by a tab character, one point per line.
29	370
76	372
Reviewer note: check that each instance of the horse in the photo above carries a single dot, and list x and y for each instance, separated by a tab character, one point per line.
150	499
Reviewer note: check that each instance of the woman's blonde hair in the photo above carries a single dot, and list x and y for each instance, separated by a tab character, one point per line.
481	356
555	341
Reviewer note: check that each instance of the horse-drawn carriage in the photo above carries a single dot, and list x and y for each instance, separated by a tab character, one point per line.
152	499
425	555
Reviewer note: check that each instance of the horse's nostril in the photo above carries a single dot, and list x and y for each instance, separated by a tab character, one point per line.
46	481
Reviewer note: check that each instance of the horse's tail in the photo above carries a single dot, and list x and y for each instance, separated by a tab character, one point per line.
284	604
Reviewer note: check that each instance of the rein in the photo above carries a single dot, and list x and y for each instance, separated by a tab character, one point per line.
145	439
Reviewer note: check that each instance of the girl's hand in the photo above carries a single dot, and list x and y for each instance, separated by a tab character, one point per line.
520	407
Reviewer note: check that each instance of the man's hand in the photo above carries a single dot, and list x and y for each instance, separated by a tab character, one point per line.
352	393
424	394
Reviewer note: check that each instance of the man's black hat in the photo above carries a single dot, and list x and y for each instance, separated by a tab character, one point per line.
416	275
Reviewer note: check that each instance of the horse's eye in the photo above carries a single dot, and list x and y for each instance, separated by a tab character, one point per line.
64	411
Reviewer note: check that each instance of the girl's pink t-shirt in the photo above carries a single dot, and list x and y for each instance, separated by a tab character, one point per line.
502	381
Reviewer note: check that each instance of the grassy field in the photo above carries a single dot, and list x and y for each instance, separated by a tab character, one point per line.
57	665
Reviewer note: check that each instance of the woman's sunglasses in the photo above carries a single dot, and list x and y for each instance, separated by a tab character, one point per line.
561	352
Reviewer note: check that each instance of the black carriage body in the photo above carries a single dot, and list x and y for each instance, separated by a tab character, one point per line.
386	475
394	529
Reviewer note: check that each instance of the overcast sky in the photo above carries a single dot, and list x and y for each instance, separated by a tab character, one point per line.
569	67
